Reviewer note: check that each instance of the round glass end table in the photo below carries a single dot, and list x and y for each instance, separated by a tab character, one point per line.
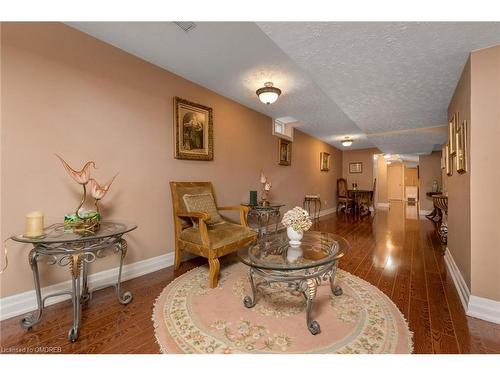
68	249
273	262
262	215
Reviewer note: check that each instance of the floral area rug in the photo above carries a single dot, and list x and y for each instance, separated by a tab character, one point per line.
189	317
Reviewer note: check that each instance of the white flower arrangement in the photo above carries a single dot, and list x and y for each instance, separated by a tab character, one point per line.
298	219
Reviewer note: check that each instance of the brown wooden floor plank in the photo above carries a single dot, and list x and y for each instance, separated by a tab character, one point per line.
420	326
442	343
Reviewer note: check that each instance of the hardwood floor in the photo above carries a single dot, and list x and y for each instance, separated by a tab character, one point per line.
394	250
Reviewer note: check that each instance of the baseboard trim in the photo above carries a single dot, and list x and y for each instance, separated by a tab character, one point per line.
458	280
484	308
425	212
25	302
328	211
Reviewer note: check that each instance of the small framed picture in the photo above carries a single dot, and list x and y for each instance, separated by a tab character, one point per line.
284	152
448	161
461	145
324	161
356	167
452	128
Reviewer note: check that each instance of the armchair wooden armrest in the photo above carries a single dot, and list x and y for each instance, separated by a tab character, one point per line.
204	216
202	225
243	212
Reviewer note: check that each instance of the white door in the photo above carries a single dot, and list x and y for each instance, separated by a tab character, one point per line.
395	181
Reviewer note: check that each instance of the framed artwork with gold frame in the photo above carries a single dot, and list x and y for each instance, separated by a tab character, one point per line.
461	144
452	128
193	131
356	167
284	152
448	161
324	161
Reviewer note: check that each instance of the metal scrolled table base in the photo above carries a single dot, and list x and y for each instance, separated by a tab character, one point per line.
263	216
305	283
78	261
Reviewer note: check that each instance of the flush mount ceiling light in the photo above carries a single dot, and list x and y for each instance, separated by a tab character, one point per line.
346	142
268	94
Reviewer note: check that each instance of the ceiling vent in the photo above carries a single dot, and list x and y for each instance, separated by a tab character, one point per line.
186	26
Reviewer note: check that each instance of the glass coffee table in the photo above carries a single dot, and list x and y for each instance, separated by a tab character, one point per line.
274	263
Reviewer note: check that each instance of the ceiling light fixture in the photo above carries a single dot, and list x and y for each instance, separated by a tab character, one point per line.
268	94
346	142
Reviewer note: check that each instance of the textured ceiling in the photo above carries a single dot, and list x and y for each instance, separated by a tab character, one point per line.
388	75
337	79
233	59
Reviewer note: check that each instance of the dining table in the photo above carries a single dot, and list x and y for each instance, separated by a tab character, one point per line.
357	195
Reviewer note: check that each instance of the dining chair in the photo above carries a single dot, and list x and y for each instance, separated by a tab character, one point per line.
343	195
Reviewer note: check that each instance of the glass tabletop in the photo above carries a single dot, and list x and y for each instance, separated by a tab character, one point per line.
56	234
270	206
274	252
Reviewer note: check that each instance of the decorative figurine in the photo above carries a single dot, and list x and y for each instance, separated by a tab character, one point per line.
80	221
266	188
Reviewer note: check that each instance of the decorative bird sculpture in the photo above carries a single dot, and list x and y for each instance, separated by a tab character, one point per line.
98	192
82	176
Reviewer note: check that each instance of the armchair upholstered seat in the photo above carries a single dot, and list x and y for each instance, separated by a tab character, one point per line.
206	233
220	235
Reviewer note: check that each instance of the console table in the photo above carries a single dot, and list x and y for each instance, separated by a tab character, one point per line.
441	203
263	214
314	202
436	214
75	251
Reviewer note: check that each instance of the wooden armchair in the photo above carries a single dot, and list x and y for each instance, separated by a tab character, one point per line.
195	235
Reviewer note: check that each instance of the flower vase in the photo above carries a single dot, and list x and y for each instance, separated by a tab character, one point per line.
294	236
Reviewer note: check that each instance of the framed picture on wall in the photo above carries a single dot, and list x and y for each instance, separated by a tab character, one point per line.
447	160
452	127
284	152
461	144
356	167
324	161
193	131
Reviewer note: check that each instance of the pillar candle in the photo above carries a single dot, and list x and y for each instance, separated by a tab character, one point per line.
34	224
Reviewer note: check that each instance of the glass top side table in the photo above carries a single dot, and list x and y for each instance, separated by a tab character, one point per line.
263	215
273	262
75	251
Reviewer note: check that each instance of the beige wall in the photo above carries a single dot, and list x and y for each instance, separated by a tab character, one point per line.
473	236
429	170
365	179
381	192
65	92
485	173
458	186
